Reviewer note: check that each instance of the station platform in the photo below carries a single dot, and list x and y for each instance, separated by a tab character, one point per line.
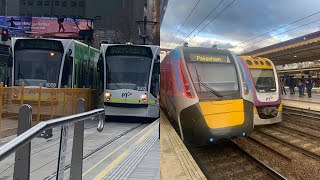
293	100
121	151
176	161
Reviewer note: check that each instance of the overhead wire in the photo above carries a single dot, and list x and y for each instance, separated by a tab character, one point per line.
279	28
212	20
284	32
202	21
184	22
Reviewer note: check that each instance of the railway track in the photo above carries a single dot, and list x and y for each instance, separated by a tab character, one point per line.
292	141
230	161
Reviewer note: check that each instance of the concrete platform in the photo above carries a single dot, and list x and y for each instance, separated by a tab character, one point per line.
131	155
293	100
176	161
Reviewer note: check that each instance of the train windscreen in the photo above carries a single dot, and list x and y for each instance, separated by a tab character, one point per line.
264	80
128	67
37	61
214	76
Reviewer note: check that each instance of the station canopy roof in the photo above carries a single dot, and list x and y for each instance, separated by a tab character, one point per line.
300	49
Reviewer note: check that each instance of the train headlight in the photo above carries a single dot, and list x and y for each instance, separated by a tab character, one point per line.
107	95
144	98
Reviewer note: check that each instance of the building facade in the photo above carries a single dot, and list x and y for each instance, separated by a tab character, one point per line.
114	20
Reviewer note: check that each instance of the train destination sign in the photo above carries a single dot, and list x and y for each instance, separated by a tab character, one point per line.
209	58
129	51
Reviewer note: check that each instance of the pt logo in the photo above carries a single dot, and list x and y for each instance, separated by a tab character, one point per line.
269	98
126	94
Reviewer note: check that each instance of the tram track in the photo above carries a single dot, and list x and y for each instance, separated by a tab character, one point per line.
231	161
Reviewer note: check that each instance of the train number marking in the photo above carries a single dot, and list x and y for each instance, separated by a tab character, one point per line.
269	98
142	88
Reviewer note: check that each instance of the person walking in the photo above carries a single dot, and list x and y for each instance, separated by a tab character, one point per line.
300	88
60	22
291	85
283	90
309	86
303	81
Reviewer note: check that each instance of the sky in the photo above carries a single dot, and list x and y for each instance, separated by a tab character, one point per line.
240	22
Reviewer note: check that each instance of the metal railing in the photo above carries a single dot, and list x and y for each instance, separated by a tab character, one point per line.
22	143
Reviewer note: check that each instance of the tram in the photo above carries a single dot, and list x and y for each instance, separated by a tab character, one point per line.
53	63
268	107
131	77
207	93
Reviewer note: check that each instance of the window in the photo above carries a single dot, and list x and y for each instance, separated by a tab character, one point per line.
39	3
154	88
29	15
81	4
47	3
73	4
56	3
4	2
66	79
30	2
46	15
64	3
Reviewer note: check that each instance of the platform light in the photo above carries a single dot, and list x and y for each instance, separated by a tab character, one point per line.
52	54
294	56
244	134
211	140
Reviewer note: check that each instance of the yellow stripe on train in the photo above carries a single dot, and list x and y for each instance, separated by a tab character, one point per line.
257	62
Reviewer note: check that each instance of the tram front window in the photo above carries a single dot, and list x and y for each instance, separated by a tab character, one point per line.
37	61
128	72
37	66
264	80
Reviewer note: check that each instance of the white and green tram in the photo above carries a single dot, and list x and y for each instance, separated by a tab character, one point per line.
131	76
54	63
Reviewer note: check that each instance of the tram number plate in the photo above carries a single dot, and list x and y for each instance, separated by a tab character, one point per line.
51	85
142	88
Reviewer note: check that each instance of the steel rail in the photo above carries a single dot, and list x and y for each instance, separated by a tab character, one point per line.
263	166
297	148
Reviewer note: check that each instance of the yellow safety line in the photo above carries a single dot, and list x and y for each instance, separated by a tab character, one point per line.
94	166
114	163
111	166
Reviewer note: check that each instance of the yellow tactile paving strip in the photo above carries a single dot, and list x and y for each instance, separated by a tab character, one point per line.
176	162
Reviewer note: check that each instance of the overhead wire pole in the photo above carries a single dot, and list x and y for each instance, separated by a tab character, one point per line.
184	22
201	22
284	32
212	20
279	28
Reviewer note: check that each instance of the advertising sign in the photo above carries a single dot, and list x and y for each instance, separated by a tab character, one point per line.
45	26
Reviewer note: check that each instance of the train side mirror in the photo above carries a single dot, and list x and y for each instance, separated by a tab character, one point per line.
10	60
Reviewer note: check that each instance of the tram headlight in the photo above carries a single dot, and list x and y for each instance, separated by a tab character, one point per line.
144	98
107	95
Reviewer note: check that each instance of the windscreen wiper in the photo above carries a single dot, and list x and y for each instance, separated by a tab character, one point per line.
20	75
206	86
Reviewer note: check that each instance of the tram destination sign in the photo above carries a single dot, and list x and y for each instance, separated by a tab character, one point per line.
209	58
129	51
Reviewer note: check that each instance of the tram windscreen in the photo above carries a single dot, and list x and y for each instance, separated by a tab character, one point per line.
213	73
37	61
264	80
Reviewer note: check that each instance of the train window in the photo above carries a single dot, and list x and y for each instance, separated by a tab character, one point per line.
261	63
249	62
268	63
256	62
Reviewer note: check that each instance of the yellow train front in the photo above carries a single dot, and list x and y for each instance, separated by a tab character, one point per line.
207	93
